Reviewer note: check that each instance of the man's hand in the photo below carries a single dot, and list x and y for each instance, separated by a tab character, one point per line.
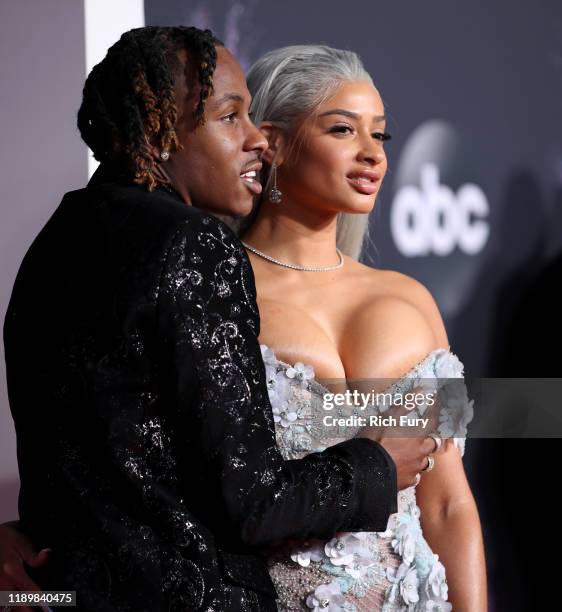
410	456
409	453
17	552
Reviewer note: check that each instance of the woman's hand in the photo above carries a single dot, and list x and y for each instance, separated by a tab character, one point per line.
17	552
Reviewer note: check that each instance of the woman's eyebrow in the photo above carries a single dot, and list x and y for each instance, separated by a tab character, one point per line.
350	114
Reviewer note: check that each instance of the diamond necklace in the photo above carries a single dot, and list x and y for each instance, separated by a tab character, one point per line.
293	266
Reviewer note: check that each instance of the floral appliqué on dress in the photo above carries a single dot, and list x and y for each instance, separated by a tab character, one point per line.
391	571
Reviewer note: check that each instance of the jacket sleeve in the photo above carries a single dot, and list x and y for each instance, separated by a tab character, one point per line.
210	322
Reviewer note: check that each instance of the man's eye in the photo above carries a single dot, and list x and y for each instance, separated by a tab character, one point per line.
382	136
230	118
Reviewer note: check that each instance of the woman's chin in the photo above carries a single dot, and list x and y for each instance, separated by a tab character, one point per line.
359	207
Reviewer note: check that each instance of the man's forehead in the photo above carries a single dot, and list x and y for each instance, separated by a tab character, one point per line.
228	77
229	82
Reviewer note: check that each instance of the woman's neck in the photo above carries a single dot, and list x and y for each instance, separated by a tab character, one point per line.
294	234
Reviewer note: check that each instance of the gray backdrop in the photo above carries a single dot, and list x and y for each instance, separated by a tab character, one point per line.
41	77
473	93
474	88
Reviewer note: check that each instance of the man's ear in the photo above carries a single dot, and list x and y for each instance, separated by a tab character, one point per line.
155	153
159	159
277	143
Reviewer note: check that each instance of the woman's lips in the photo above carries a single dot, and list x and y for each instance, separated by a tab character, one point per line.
364	182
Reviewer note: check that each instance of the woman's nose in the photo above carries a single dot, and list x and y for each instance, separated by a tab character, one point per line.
373	156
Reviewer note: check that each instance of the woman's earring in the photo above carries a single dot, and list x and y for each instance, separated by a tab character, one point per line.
275	195
165	155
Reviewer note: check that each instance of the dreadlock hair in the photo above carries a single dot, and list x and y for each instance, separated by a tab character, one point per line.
129	101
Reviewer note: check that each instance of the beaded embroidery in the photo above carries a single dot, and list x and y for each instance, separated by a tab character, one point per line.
394	570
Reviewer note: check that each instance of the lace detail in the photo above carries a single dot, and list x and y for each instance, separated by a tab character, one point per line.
394	570
434	374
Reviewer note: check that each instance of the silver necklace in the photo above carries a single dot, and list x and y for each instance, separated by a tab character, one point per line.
294	266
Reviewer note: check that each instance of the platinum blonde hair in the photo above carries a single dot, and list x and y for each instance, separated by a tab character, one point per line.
287	86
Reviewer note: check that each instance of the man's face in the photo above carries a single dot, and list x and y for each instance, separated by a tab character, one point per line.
211	171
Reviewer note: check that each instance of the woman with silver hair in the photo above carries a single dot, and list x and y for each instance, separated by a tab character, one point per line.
325	315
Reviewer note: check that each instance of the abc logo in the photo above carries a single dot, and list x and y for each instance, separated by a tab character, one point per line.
432	219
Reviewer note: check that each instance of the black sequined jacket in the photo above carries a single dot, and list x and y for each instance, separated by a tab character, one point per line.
146	444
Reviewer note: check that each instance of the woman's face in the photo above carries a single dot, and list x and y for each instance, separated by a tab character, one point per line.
340	163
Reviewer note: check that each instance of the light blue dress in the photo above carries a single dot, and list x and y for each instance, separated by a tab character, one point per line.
389	571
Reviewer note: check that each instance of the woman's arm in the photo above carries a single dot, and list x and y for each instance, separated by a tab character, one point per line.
451	526
449	516
394	333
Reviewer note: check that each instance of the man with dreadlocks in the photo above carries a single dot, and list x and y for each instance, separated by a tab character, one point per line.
145	435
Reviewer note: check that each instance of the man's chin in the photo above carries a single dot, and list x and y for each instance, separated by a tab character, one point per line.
241	208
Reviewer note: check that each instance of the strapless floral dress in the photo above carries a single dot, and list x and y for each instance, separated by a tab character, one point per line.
389	571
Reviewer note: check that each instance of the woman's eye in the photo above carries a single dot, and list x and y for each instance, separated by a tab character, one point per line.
341	129
230	118
382	136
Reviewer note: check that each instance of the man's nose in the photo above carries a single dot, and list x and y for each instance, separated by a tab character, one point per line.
256	140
